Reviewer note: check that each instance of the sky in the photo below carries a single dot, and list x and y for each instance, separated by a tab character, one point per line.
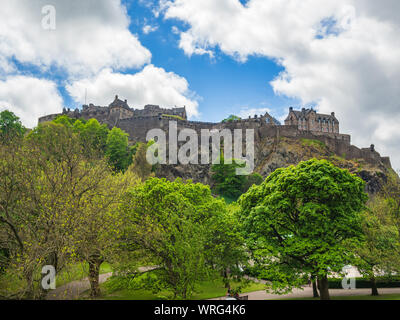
217	58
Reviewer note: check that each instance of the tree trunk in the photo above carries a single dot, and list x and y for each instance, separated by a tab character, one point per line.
323	287
94	271
374	287
314	289
29	294
226	279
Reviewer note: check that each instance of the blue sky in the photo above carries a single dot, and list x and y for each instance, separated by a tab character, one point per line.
222	85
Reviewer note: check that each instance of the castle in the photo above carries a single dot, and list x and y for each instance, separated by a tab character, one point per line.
304	124
118	111
308	119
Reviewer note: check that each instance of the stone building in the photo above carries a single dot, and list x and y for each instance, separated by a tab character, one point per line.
310	120
116	111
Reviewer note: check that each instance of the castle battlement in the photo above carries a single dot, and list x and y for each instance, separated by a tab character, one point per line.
304	124
137	122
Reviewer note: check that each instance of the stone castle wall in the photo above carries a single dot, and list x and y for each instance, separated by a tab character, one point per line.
137	127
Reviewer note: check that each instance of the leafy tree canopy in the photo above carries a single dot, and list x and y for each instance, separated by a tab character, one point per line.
231	118
10	126
298	221
117	149
227	182
171	222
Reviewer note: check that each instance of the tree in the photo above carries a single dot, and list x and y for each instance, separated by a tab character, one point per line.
300	220
10	126
96	237
94	136
117	149
57	205
253	179
41	192
140	166
225	246
231	118
227	182
379	252
169	221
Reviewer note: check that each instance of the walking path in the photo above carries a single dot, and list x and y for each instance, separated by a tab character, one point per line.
308	293
74	289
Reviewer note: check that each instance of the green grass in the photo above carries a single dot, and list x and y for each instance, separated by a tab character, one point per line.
10	283
312	143
173	117
78	271
204	290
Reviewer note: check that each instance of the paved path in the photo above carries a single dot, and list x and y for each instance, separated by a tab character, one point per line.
74	289
307	293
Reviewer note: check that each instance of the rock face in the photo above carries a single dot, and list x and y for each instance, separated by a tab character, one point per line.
290	151
275	145
273	152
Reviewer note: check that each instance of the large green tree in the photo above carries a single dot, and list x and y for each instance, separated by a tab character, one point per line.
299	221
117	149
57	206
379	252
225	246
170	222
10	126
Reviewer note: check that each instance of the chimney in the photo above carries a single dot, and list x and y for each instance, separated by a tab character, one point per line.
332	114
303	109
290	109
126	101
116	97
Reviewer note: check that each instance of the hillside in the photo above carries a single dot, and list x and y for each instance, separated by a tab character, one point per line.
272	153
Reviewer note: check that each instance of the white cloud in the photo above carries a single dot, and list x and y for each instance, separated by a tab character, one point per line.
29	98
341	54
175	30
148	29
150	86
89	36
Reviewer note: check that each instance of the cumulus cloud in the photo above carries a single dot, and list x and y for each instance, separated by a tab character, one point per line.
29	98
340	54
89	36
152	85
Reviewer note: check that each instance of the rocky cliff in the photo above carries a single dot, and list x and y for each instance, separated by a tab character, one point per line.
272	152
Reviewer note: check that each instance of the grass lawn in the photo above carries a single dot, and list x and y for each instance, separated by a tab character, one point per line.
204	290
10	283
78	271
